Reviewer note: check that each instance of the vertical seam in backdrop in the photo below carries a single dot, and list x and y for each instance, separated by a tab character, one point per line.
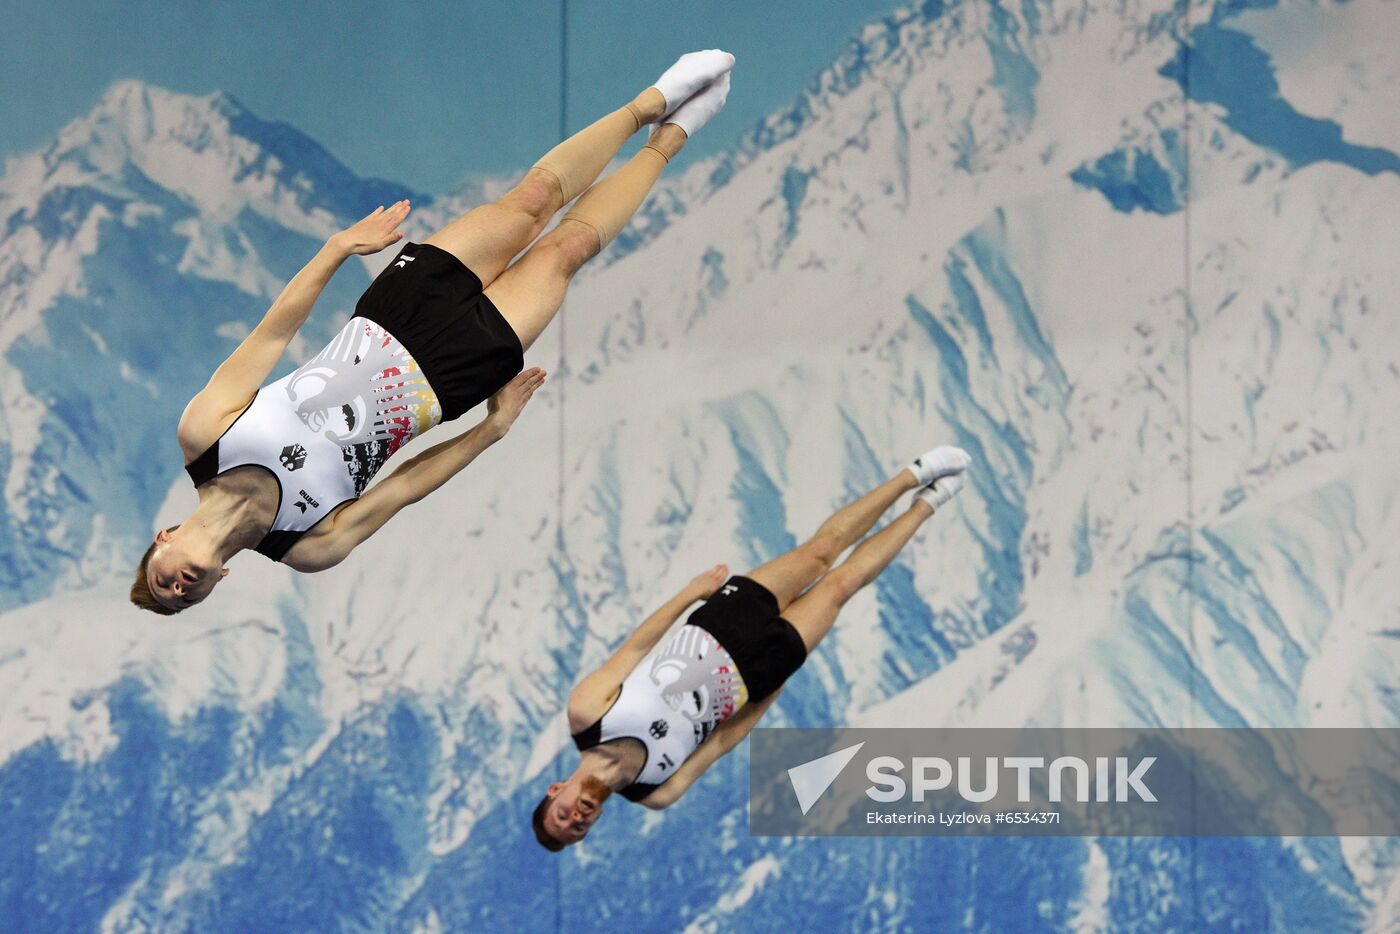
560	384
1188	314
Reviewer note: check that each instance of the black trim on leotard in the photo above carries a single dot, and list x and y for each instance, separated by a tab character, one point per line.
205	467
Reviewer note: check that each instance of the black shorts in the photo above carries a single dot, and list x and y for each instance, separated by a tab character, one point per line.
433	304
743	617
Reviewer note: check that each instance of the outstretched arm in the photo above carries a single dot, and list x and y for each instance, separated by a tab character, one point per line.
414	479
588	700
236	380
723	740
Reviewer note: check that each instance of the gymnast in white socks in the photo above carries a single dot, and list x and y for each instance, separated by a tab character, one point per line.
284	469
649	723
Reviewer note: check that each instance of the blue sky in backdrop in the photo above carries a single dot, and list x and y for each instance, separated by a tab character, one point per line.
427	94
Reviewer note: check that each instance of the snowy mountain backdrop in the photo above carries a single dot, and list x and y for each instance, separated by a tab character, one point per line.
1137	256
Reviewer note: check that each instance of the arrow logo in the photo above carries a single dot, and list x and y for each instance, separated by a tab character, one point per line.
810	780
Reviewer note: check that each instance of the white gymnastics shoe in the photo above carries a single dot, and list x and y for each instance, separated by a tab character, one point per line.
944	460
697	111
691	73
941	490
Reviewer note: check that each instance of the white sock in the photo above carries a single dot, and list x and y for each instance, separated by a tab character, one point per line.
691	72
940	462
699	108
941	490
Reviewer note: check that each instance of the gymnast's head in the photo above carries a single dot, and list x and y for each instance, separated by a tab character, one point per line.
179	570
569	810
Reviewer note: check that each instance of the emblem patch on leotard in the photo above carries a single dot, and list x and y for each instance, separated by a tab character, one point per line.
366	393
293	457
698	679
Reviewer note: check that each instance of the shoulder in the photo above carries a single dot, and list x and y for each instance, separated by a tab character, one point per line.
203	422
194	435
663	797
308	558
580	712
590	700
322	547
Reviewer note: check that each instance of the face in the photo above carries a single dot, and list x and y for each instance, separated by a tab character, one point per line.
178	576
574	807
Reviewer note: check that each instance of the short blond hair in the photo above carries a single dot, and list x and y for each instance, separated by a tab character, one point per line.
141	593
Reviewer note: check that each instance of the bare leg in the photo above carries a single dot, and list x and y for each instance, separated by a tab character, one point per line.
787	575
486	237
816	610
529	293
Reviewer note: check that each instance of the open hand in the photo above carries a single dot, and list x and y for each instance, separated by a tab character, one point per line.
706	583
375	230
503	408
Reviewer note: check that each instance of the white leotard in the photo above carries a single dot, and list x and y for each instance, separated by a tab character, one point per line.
670	702
324	430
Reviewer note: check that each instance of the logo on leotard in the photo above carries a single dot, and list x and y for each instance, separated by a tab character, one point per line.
293	456
404	261
728	589
361	389
697	679
659	729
